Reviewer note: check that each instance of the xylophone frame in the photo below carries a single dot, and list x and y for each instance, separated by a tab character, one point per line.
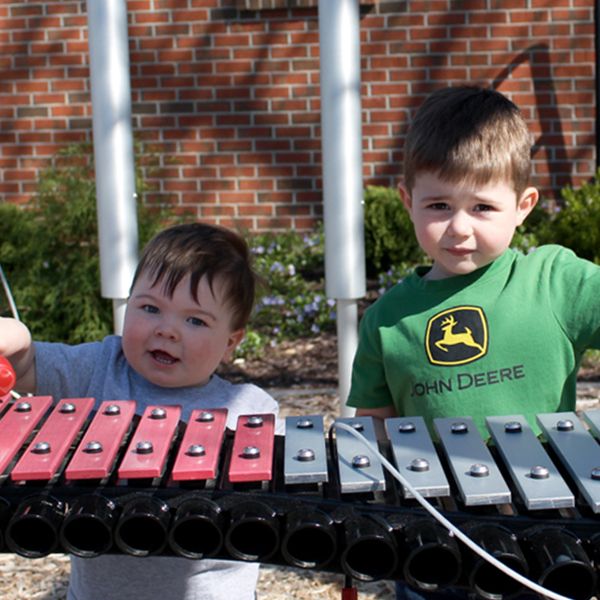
108	481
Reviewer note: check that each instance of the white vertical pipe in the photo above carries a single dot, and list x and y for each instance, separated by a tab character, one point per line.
113	149
119	308
347	332
345	279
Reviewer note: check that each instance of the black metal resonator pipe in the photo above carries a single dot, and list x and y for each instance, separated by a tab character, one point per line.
143	526
197	528
253	532
485	579
370	550
33	530
560	563
87	530
309	539
5	513
427	543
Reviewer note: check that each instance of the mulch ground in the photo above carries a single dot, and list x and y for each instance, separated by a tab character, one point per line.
305	363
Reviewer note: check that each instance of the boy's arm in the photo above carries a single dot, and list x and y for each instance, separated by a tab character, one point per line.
16	345
379	413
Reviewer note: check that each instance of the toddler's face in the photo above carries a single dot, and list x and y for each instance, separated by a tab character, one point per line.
177	342
464	227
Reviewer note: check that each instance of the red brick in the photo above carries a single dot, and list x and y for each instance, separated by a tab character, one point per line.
255	211
236	197
259	79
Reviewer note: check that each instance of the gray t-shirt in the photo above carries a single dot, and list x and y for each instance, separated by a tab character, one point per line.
99	370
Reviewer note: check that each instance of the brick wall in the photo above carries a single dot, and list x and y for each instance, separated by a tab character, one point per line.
225	93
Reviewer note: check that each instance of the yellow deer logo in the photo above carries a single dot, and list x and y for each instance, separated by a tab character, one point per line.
452	339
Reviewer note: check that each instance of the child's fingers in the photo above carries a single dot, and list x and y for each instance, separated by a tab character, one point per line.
7	376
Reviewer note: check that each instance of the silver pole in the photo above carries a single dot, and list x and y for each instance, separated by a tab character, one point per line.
347	332
345	279
113	149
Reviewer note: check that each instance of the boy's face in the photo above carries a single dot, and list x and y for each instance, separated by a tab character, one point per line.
464	227
177	342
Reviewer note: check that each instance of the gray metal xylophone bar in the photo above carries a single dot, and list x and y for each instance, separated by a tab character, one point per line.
88	483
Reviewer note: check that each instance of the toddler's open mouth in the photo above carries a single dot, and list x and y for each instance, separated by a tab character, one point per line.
163	357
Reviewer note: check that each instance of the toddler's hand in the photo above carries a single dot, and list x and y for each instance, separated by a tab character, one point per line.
7	377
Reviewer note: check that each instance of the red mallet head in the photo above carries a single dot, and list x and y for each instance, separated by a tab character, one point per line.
7	377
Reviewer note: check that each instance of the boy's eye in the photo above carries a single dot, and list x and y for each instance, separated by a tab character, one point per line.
149	308
196	321
438	206
483	208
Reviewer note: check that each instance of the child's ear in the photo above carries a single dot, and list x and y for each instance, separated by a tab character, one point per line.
234	340
526	203
405	196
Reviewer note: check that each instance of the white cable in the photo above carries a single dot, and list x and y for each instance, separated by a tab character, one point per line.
447	524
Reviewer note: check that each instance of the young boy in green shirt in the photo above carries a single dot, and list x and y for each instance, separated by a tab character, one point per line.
484	330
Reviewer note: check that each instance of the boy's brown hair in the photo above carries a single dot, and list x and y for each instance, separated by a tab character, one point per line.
469	134
200	250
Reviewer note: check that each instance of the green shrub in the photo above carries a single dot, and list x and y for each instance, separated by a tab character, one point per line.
389	234
19	248
293	302
575	222
395	274
50	252
524	240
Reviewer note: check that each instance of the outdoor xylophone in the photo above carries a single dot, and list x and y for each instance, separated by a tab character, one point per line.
106	481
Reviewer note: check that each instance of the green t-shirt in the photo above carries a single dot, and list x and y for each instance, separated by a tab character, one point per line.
506	339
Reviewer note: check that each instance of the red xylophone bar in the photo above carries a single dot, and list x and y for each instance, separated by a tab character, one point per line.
18	423
200	446
51	444
98	448
149	447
